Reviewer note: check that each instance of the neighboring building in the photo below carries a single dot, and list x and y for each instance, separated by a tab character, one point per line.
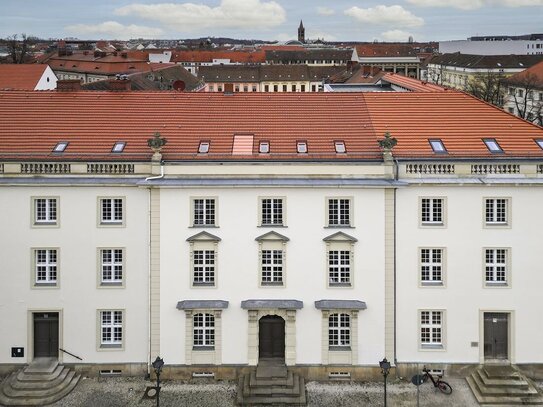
308	56
193	60
163	57
531	44
457	70
384	82
396	58
524	97
27	77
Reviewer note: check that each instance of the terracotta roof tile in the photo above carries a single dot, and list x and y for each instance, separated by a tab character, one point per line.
412	84
252	57
385	50
532	76
20	76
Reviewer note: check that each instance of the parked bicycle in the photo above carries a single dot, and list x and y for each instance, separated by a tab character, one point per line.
443	386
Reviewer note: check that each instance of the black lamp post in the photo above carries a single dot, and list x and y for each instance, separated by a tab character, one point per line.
385	370
157	365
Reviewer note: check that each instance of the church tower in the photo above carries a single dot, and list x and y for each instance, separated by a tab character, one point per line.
301	33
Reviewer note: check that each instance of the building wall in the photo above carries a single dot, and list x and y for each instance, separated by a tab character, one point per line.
48	81
531	104
516	47
459	77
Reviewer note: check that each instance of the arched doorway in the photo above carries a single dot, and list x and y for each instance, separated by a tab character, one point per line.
271	337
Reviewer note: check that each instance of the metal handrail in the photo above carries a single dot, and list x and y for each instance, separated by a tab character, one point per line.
69	353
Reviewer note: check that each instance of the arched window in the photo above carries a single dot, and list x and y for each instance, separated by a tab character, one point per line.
339	330
204	329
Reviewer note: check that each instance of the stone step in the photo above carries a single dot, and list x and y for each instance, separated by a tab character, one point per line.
41	366
16	383
505	399
40	393
277	390
507	372
23	376
271	401
267	371
501	381
274	381
502	389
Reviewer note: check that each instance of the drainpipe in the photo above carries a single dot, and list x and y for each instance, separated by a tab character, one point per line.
396	172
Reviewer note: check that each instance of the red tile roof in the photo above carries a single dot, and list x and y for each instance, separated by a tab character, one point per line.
412	84
33	122
20	76
385	50
208	56
533	77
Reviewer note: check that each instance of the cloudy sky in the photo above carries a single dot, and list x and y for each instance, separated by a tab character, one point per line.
333	20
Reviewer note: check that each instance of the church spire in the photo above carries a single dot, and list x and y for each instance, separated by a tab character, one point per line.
301	32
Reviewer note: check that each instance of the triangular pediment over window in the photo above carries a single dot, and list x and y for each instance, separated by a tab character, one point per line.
340	237
204	237
272	236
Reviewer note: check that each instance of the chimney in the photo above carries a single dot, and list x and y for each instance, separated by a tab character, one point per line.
228	88
68	85
120	83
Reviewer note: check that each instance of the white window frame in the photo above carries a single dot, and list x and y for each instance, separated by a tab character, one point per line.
205	330
206	215
112	219
205	266
49	220
113	326
496	273
432	329
50	267
493	220
272	272
273	211
341	223
343	270
432	267
493	146
114	265
339	327
431	221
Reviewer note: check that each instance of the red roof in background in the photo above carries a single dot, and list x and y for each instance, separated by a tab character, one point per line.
109	64
385	50
412	84
33	122
209	56
533	76
282	48
20	76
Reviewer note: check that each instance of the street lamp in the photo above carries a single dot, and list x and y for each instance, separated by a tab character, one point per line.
157	365
385	370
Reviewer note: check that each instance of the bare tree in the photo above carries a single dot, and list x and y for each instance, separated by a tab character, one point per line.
435	75
523	95
18	48
488	87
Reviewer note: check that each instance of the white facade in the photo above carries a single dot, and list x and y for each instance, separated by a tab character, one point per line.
525	103
48	80
515	47
162	58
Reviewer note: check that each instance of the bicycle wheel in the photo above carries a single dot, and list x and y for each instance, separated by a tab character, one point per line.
444	387
424	378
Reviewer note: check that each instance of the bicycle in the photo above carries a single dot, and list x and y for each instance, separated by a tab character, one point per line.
443	386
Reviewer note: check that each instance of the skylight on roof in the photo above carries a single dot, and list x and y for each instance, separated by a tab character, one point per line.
118	147
437	145
203	148
539	142
301	147
492	145
60	147
264	147
340	147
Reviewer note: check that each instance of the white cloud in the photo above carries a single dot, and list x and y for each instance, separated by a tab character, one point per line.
325	11
395	36
114	30
475	4
389	15
234	14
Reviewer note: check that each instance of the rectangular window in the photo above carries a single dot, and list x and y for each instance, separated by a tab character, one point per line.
45	211
204	212
492	145
111	323
339	267
302	88
272	267
211	88
203	330
284	88
339	330
432	211
111	266
437	146
496	266
111	210
272	212
339	212
266	88
496	211
254	88
275	88
431	329
431	266
203	267
46	266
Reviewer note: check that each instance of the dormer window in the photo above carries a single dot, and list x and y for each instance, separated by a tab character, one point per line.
118	147
437	145
539	143
60	147
203	148
264	147
301	147
340	147
492	145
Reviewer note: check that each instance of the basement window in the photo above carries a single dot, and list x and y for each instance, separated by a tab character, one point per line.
539	143
340	147
492	145
301	147
437	145
118	147
264	147
203	148
60	147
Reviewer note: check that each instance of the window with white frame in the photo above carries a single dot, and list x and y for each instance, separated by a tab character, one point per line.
203	267
339	330
271	211
111	211
496	211
339	267
431	266
339	212
432	211
111	329
45	211
272	267
46	271
111	266
203	330
204	211
431	329
496	266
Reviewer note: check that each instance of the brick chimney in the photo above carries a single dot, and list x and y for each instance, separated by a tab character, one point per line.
121	83
68	85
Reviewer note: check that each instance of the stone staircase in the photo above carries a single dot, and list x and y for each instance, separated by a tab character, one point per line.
271	384
42	382
503	385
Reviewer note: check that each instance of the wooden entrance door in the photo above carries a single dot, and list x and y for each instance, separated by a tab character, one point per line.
271	337
46	334
496	326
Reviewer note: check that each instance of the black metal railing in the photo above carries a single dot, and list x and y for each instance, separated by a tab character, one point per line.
69	353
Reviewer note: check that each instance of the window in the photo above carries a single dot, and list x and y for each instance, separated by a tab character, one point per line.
301	147
302	88
204	212
45	211
511	110
339	330
495	267
203	331
339	267
111	266
254	88
219	88
339	212
520	93
432	210
284	88
272	211
266	88
237	88
61	146
431	266
431	329
203	267
275	88
264	147
111	329
437	146
211	88
272	267
46	266
492	145
118	147
496	211
203	148
539	142
111	211
340	147
294	89
245	88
